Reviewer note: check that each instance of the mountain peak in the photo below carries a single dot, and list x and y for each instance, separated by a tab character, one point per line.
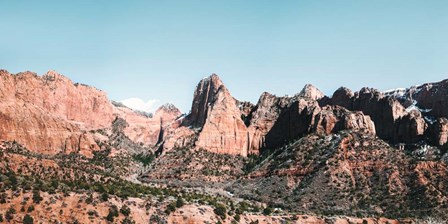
53	75
205	94
213	79
168	107
312	92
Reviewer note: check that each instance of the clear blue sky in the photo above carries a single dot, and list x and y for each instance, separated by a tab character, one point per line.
161	49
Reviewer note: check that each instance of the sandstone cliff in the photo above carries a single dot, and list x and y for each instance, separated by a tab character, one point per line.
215	112
224	125
51	114
60	97
401	115
146	130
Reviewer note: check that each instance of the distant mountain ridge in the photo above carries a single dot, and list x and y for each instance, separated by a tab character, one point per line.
65	112
307	158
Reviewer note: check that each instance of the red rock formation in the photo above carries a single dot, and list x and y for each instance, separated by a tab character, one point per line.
34	128
60	97
177	136
144	129
432	96
311	92
439	132
204	95
384	111
293	122
50	114
263	118
410	128
216	113
234	128
343	97
430	100
333	119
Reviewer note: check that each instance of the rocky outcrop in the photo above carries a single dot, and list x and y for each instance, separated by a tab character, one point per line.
60	97
48	114
343	97
232	127
263	118
332	119
311	92
410	128
215	112
204	95
439	131
384	111
37	130
293	122
51	114
304	117
430	96
148	130
401	115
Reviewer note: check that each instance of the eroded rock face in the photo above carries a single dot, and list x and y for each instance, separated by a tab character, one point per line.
204	95
239	128
60	97
431	96
401	115
311	92
225	125
293	122
50	114
343	97
431	101
384	111
148	130
263	118
410	128
222	130
332	119
37	130
440	132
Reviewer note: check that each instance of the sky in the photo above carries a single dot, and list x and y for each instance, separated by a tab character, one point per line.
147	53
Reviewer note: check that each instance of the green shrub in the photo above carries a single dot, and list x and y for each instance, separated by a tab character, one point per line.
27	219
36	197
125	210
180	202
237	217
267	211
104	196
113	212
170	208
30	208
146	159
2	198
221	211
127	220
10	214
